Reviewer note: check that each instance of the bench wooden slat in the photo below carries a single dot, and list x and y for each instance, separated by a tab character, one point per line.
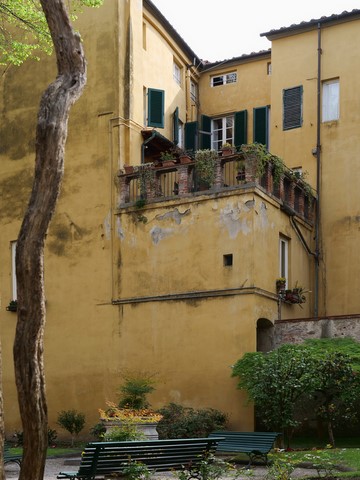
253	444
100	458
11	457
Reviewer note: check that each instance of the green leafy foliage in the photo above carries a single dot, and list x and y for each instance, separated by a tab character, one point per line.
205	164
275	382
19	437
210	468
187	422
322	382
135	471
134	391
24	32
127	432
71	421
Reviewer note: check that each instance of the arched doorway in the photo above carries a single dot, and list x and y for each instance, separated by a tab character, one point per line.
264	335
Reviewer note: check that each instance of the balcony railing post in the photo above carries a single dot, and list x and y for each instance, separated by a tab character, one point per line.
183	177
219	177
124	187
251	168
269	181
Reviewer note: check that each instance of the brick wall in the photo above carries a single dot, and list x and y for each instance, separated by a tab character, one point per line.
298	330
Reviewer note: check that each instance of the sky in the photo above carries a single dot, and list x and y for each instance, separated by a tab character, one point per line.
230	28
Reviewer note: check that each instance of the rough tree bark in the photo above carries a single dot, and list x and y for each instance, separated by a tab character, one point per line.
51	135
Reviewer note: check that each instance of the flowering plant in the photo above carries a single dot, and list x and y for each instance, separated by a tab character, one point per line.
142	415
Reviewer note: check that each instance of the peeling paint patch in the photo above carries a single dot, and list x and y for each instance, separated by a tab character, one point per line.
232	217
174	215
264	220
158	234
107	226
119	230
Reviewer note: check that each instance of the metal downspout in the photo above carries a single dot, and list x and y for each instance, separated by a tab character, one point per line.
318	173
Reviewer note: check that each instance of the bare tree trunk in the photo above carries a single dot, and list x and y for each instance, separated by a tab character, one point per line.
51	136
2	430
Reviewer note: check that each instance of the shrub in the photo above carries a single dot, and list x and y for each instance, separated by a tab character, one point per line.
186	422
98	431
71	421
127	432
19	437
135	471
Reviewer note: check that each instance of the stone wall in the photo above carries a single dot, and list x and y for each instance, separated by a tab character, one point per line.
298	330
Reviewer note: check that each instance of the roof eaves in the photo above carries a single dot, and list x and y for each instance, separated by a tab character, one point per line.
149	5
311	24
235	60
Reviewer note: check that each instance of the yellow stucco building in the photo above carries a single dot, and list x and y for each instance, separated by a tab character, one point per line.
152	269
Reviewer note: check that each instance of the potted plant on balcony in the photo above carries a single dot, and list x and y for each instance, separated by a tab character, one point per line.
280	284
227	149
133	407
205	164
167	158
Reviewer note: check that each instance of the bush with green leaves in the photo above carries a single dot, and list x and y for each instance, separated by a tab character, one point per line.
210	468
127	432
134	390
134	470
187	422
98	431
19	437
280	468
71	421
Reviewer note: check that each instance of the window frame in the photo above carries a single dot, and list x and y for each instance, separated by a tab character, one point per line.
292	107
330	111
177	73
224	79
284	258
225	138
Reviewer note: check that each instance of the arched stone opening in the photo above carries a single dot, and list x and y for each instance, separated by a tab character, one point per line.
264	335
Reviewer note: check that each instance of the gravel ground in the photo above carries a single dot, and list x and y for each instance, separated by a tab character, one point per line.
56	465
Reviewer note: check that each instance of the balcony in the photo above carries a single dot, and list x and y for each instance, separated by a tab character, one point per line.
150	183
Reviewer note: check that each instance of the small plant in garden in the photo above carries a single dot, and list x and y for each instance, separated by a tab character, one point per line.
323	463
98	431
211	468
19	437
71	421
280	468
127	432
135	471
134	391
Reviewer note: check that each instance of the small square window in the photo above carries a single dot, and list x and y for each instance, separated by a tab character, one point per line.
228	260
177	73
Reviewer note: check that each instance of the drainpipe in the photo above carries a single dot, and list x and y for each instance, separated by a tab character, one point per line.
318	180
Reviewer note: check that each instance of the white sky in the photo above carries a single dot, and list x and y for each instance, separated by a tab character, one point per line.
218	30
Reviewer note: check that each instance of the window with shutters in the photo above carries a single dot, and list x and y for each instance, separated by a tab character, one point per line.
284	257
330	100
292	107
261	117
156	100
222	131
224	79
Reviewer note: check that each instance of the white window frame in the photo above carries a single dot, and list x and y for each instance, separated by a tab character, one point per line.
223	79
284	258
13	270
177	73
224	134
193	91
331	100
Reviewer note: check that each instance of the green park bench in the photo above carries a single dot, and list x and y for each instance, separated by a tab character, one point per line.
11	457
256	445
106	458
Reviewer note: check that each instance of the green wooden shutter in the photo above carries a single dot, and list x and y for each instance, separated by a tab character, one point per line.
176	126
292	108
240	128
191	136
205	134
260	134
156	108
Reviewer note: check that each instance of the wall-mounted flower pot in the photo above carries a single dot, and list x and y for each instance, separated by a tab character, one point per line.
185	159
129	169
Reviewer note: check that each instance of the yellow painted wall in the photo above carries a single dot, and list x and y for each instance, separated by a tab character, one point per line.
97	254
294	62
